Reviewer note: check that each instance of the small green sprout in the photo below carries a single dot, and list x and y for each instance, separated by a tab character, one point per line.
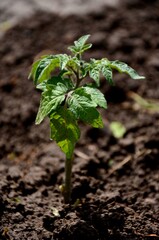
118	129
65	99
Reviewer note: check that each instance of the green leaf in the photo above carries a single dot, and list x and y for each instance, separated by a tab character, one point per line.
81	105
73	63
118	129
124	68
42	86
94	73
45	67
97	121
52	97
73	49
81	41
95	69
64	58
49	102
107	73
84	68
64	130
42	68
96	96
85	47
33	69
80	46
54	81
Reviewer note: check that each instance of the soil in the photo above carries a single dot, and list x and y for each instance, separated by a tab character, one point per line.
116	181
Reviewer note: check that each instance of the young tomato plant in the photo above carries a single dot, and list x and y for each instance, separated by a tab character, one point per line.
65	100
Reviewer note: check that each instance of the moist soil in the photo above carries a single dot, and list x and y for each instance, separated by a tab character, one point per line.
115	181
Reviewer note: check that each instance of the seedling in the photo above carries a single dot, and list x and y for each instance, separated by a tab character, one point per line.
65	99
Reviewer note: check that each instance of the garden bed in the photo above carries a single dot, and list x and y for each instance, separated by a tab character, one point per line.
115	180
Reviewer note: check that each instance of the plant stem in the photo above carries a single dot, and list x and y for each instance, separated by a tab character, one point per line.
67	184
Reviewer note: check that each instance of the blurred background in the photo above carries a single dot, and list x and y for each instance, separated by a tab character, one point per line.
12	12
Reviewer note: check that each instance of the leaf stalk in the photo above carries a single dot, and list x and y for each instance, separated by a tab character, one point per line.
67	184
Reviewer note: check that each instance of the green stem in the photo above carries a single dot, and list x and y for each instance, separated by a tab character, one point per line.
67	184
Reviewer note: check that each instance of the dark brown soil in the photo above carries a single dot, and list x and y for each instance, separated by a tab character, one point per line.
115	180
